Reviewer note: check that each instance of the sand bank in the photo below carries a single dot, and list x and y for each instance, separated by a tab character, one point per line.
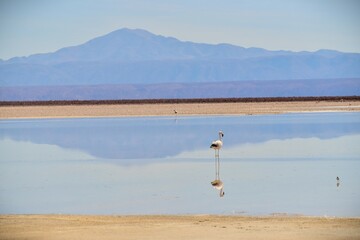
183	109
176	227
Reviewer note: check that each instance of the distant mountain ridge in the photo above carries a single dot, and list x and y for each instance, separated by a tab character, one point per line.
135	57
126	45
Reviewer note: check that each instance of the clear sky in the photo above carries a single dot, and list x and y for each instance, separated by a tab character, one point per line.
38	26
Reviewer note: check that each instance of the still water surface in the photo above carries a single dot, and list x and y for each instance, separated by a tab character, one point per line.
160	165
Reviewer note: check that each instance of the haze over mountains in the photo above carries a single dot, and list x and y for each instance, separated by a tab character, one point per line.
139	60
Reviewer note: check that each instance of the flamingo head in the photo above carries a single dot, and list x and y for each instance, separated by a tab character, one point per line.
221	133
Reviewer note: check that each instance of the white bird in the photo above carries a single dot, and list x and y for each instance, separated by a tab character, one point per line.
217	144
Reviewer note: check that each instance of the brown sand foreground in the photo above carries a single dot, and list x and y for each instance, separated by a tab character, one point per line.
176	227
183	109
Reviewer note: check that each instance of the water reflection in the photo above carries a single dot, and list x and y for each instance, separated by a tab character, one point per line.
217	183
344	147
125	139
11	150
154	166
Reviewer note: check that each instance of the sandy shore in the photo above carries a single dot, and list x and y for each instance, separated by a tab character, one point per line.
183	109
176	227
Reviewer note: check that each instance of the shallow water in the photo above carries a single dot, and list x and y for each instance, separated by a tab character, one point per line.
159	165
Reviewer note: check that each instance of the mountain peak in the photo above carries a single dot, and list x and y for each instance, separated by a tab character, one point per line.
127	32
136	45
126	44
137	31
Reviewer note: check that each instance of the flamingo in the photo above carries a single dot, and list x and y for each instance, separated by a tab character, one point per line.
217	183
216	145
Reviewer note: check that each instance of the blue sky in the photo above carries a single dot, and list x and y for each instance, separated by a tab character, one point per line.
38	26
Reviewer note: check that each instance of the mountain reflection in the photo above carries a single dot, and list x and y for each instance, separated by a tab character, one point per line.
159	137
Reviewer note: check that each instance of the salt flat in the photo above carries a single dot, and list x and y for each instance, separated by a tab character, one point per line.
183	109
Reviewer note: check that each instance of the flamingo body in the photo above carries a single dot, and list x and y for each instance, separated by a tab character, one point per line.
216	144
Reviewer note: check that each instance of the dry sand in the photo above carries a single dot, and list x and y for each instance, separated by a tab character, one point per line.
183	109
176	227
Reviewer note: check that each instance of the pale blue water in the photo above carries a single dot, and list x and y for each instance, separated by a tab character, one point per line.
161	165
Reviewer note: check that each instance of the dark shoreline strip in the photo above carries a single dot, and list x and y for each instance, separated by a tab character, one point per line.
175	101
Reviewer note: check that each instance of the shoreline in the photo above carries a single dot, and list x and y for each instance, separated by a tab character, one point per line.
177	227
182	109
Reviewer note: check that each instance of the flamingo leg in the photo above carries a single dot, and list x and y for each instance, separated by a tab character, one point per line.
218	165
215	168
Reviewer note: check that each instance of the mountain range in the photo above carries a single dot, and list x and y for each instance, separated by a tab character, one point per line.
140	58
